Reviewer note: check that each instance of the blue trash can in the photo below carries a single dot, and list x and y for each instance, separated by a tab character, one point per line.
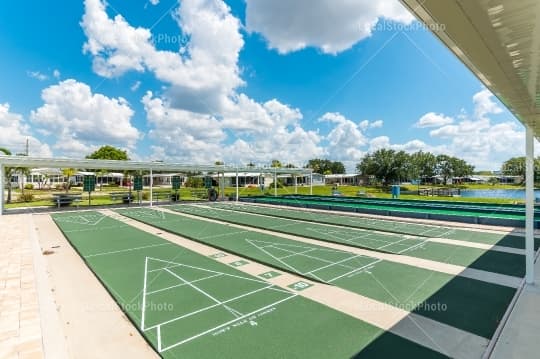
395	191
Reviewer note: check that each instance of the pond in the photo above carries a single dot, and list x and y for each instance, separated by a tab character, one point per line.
497	193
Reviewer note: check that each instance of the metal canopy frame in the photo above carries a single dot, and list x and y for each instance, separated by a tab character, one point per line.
153	167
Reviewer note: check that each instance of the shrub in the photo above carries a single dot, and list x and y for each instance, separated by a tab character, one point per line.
278	183
29	186
194	182
145	196
26	197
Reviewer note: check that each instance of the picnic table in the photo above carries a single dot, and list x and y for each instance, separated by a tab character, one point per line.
66	199
125	197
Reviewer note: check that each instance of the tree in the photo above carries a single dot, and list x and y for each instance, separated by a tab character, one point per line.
276	163
325	166
219	163
386	165
68	173
290	165
515	166
461	168
444	167
423	165
109	153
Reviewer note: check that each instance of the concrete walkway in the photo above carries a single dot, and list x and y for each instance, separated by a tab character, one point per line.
520	337
20	323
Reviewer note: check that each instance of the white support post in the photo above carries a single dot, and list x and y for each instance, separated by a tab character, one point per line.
2	185
223	185
529	206
295	184
151	185
311	183
275	182
237	184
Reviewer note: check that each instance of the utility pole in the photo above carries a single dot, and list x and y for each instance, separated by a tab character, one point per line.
26	148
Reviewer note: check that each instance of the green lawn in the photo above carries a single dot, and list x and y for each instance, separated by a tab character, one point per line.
43	197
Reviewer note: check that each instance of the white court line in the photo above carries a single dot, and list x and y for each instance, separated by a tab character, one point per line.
207	270
159	339
317	258
232	311
225	324
365	235
144	293
276	258
389	244
181	285
126	250
208	307
413	247
194	287
332	264
356	270
292	255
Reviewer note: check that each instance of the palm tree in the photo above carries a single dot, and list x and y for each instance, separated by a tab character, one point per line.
68	172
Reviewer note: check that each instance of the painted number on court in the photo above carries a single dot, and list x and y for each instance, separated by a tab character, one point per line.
270	275
301	285
218	255
239	263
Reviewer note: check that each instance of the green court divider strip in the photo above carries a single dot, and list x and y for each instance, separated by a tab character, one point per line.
458	206
416	229
389	210
492	261
467	304
181	320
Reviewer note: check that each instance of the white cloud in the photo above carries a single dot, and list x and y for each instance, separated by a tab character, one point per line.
135	86
15	132
244	114
345	140
207	69
154	2
37	75
376	124
332	26
80	120
480	141
272	130
483	105
432	119
365	124
56	74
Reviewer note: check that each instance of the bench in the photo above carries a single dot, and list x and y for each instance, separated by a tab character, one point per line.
125	197
156	196
65	199
201	193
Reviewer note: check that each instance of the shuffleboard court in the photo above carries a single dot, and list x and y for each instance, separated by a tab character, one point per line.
416	229
492	261
471	305
461	215
190	306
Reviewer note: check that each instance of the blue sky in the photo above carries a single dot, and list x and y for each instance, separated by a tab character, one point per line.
240	81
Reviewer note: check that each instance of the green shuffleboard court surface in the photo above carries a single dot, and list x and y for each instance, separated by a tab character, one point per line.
429	204
470	305
388	207
416	229
190	306
493	261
